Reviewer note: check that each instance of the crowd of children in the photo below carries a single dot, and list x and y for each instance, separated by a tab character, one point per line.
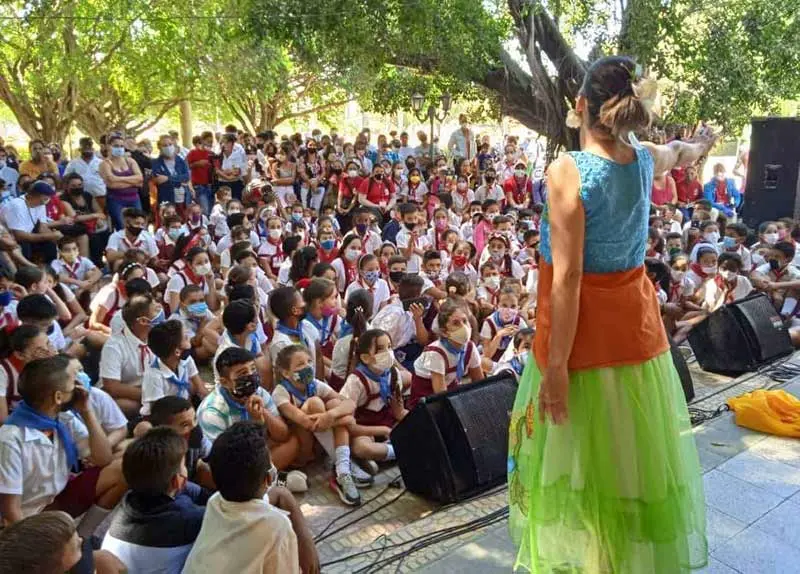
327	298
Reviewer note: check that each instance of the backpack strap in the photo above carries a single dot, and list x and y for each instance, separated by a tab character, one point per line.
11	392
365	383
443	354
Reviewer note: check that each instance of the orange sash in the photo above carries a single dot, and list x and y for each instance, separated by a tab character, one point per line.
619	321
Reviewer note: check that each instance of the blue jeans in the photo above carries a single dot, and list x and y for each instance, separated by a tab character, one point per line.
115	206
203	196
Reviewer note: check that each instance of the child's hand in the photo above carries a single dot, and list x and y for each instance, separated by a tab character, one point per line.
417	310
255	408
383	432
324	421
507	331
311	422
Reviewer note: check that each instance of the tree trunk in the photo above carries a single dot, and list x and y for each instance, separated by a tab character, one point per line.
186	123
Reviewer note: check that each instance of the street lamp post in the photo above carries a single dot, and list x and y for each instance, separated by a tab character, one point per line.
417	100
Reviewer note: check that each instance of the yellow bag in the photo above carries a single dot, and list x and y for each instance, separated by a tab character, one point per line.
774	412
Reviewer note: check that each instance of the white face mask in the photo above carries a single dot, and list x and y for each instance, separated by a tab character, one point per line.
727	274
771	238
461	335
677	276
352	173
275	233
203	270
352	254
492	282
711	236
710	270
168	150
384	360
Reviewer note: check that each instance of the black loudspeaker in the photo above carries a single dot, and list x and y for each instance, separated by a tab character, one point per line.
453	445
741	336
773	171
683	370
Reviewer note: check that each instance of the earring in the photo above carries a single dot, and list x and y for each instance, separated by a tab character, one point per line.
574	120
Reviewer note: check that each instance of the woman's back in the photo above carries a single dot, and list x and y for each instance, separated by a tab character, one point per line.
616	202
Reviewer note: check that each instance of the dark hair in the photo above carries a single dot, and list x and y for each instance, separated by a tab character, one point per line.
194	252
138	286
165	338
189	289
36	544
359	309
728	257
41	377
430	255
366	340
36	307
150	461
284	358
301	263
162	410
321	268
66	240
408	208
125	270
133	213
706	224
289	244
281	301
27	276
319	288
448	308
237	316
241	251
240	461
457	283
235	219
660	270
366	258
739	229
241	292
19	339
136	307
232	356
410	286
786	248
613	106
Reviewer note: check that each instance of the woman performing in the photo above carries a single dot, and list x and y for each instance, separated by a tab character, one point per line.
603	472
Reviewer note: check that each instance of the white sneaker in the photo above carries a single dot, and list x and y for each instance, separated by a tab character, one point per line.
296	481
361	478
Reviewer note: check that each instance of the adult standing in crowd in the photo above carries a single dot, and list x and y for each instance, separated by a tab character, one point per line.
123	179
199	160
38	164
87	165
8	174
233	166
171	174
461	144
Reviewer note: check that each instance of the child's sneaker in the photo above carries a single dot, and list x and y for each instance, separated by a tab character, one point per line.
296	481
362	478
346	489
368	465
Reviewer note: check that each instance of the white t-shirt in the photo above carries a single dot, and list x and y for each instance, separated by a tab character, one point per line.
281	395
156	382
354	390
105	408
34	465
124	358
415	261
76	270
433	362
93	183
379	291
144	241
19	217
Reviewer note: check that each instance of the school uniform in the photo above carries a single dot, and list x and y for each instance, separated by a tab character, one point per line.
227	241
325	331
159	381
219	221
717	293
283	337
340	358
10	368
371	394
285	392
218	411
379	291
118	241
77	270
124	358
272	255
183	278
346	273
110	299
34	463
492	324
485	293
370	241
415	261
439	357
283	273
106	410
468	270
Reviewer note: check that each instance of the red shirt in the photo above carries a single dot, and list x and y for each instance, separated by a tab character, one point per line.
348	187
200	175
689	191
519	191
377	192
54	208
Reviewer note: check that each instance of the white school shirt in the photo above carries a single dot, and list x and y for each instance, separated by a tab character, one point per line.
415	261
485	192
691	282
76	270
35	466
281	396
341	355
156	384
281	340
461	202
396	321
180	280
105	408
93	183
124	358
219	220
144	241
379	291
19	217
353	389
487	333
432	362
5	382
227	241
250	537
283	273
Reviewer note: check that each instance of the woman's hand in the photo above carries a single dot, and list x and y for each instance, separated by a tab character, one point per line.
554	394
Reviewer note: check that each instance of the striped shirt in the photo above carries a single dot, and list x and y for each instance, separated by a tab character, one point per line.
215	416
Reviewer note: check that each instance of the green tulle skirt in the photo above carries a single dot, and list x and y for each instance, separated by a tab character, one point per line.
617	488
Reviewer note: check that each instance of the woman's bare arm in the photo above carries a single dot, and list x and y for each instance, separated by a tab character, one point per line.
678	153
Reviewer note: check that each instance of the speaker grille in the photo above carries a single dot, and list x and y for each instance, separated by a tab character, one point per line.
765	331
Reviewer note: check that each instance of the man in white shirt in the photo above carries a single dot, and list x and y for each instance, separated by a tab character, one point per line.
461	144
133	236
8	174
242	532
27	219
405	149
126	354
88	167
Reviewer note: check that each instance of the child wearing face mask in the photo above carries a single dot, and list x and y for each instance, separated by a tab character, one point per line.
370	240
445	363
433	284
217	223
517	354
346	198
172	371
327	249
173	229
733	242
488	292
197	271
498	251
346	264
20	346
376	389
729	285
780	278
270	252
79	273
313	408
709	236
474	215
461	261
702	270
397	267
369	278
322	312
499	327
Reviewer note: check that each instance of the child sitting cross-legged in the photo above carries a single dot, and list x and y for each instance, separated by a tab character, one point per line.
499	327
376	388
314	407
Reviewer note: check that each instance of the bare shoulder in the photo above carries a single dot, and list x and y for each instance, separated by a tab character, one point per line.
563	177
562	167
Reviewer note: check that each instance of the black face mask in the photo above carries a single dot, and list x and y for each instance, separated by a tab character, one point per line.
186	354
134	230
396	276
76	191
489	178
774	265
246	385
409	226
378	176
337	170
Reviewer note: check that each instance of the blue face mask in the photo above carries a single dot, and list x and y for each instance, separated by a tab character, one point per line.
728	242
328	244
158	318
298	217
371	276
84	380
361	228
5	298
198	309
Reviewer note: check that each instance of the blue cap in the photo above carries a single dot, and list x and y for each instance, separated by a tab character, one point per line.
42	188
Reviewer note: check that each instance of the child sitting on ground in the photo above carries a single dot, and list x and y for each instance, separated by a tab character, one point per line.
499	327
314	407
359	307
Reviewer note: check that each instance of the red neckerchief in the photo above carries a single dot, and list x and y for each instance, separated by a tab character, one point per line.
278	248
193	278
697	268
144	355
780	273
725	288
16	362
350	271
136	244
495	295
721	191
519	194
73	271
365	286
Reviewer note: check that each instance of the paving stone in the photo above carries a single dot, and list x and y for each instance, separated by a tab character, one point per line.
782	522
721	527
737	498
779	478
717	567
778	448
755	552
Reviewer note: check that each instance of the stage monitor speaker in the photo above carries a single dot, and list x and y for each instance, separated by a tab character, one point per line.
683	370
773	172
740	337
454	445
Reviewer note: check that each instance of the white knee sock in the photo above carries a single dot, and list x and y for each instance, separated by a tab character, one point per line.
91	520
342	460
389	452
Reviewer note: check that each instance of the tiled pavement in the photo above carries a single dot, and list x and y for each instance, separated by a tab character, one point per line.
752	486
